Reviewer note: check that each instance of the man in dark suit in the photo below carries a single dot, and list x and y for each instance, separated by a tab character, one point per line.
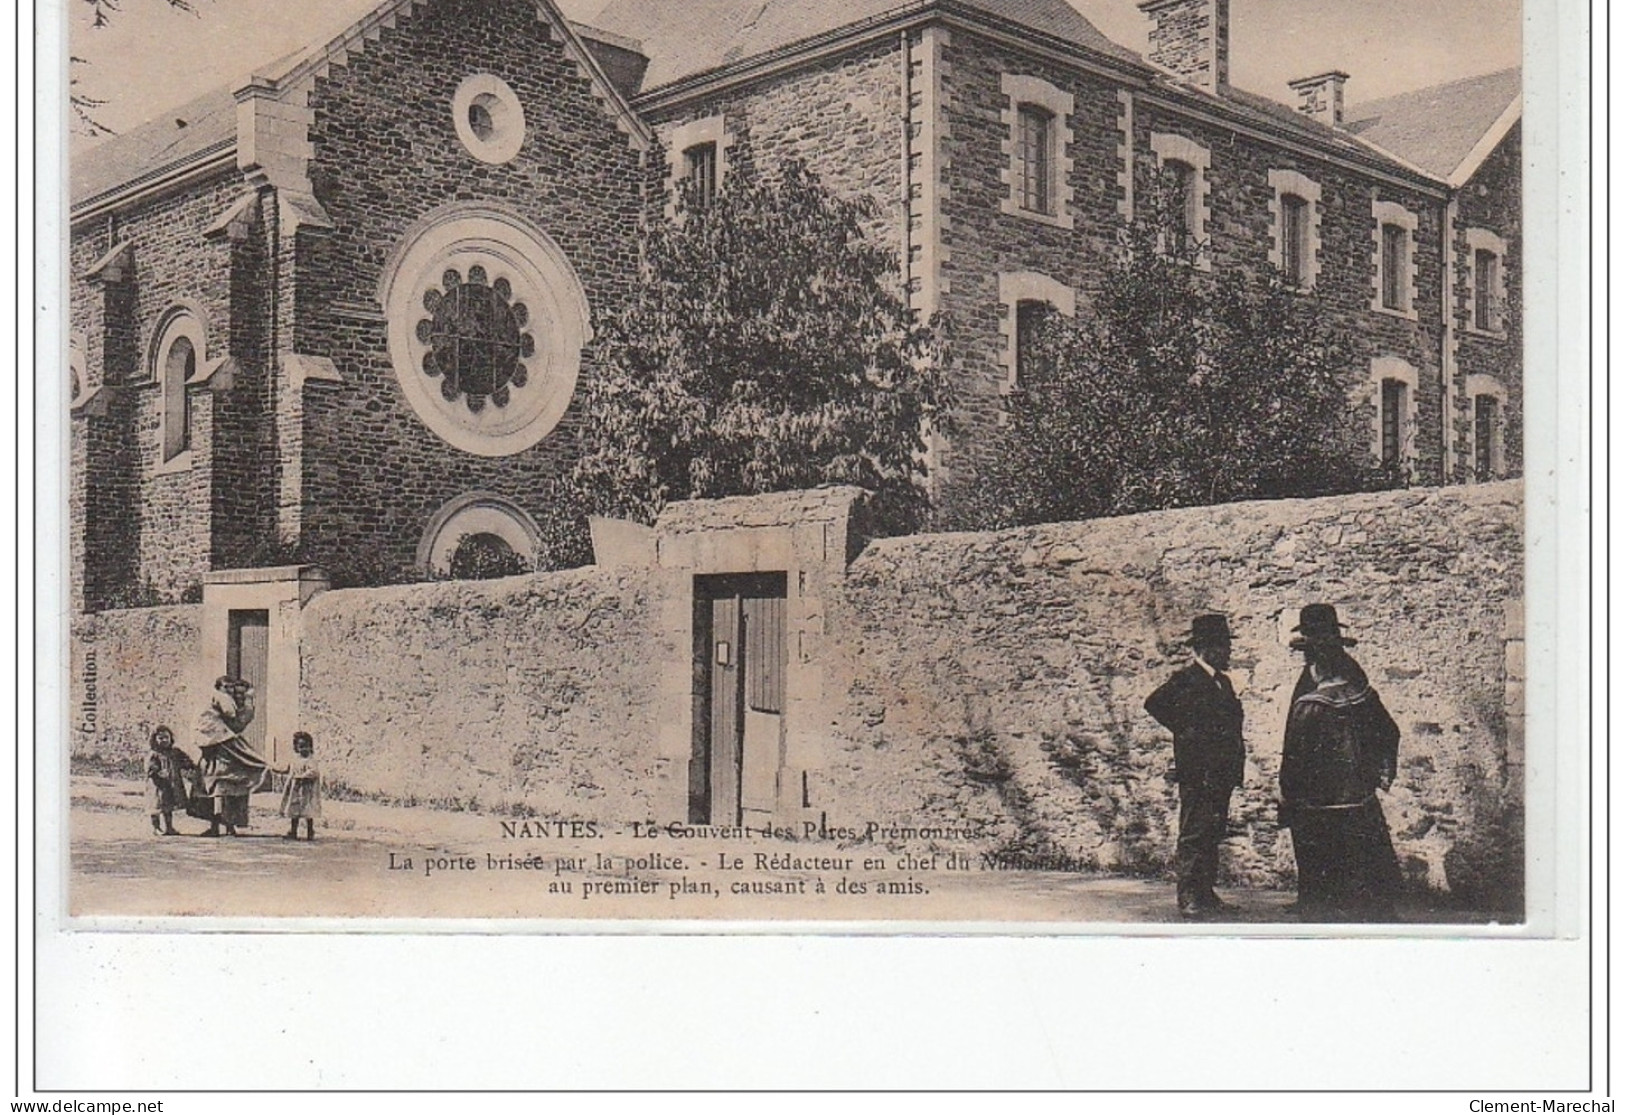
1199	706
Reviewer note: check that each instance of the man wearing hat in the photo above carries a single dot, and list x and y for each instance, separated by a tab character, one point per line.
1341	748
1199	706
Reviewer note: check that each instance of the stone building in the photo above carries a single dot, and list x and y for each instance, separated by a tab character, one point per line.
340	310
335	315
258	372
1008	140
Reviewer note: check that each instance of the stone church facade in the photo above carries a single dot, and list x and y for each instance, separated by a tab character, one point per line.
337	315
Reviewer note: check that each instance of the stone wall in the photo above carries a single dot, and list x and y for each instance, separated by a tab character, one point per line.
1238	224
1492	200
842	118
128	672
995	679
527	695
149	532
999	677
983	241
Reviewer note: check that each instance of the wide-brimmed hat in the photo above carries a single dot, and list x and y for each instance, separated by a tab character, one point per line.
1318	624
1208	629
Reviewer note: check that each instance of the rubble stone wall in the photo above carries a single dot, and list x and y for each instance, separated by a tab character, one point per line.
130	671
990	681
1000	677
528	695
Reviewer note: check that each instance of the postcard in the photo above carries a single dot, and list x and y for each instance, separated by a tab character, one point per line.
917	464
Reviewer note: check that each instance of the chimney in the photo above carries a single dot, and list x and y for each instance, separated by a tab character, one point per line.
1192	39
1321	97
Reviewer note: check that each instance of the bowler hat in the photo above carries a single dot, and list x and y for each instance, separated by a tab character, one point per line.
1209	629
1318	623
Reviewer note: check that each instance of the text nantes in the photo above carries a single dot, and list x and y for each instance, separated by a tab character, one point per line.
536	829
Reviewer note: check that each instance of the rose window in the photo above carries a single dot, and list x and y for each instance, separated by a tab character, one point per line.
477	339
487	320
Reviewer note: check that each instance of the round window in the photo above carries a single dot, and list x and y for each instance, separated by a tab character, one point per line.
476	338
489	118
486	324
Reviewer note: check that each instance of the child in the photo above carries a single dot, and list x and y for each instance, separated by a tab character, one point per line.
167	770
303	795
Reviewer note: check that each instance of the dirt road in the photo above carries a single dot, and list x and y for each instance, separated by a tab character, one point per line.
372	860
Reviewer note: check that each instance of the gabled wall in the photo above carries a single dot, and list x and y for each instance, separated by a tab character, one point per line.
385	154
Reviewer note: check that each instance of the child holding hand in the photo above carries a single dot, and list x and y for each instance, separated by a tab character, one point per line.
167	770
302	797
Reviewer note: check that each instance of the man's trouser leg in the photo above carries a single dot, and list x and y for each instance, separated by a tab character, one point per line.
1218	806
1196	857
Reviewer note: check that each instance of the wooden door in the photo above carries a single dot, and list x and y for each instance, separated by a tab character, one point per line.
739	698
248	656
762	738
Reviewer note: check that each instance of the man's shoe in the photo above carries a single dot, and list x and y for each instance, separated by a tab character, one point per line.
1189	911
1218	905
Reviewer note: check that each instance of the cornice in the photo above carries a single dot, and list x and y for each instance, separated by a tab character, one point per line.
208	163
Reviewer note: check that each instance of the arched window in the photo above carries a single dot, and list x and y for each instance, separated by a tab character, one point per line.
1295	209
700	169
1488	397
1182	177
180	365
1486	282
176	358
483	557
1038	173
1395	271
1031	314
478	536
1393	422
698	166
1294	238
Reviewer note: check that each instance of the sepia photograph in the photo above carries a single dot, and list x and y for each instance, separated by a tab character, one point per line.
915	463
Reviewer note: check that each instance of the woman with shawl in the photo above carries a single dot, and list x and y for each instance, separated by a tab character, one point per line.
231	769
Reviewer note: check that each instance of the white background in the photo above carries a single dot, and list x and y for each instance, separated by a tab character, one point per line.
132	1011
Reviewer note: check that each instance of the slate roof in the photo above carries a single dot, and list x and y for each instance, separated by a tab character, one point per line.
688	37
1284	118
1430	129
1436	128
210	121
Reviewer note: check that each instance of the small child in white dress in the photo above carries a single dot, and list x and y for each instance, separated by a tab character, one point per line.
302	797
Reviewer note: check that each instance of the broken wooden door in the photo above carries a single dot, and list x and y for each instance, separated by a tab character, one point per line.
740	654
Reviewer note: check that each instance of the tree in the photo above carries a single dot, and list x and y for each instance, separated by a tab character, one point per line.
768	347
1174	388
484	557
83	105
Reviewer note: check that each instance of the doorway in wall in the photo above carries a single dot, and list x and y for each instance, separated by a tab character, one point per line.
248	656
740	652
